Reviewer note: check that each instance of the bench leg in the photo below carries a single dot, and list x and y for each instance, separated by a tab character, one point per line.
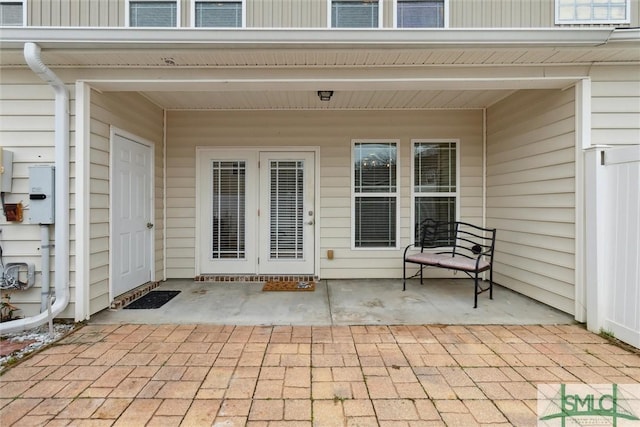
491	284
421	270
404	276
475	297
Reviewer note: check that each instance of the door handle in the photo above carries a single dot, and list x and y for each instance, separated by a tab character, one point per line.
310	222
149	225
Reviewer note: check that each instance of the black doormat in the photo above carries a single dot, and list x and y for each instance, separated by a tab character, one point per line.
154	299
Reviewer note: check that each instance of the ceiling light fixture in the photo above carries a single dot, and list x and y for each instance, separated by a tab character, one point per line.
325	95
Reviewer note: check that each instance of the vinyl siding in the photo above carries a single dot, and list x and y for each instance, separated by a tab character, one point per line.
76	13
332	132
531	194
27	130
287	13
615	105
307	13
132	113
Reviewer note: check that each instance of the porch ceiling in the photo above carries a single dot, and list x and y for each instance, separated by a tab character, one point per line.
283	69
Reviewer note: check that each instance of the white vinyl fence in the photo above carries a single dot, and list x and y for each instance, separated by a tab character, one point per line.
617	297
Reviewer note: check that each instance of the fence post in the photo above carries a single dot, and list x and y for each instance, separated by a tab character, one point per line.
595	235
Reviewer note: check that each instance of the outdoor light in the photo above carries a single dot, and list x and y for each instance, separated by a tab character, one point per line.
325	95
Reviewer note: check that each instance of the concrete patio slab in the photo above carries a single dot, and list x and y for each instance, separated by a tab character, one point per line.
340	302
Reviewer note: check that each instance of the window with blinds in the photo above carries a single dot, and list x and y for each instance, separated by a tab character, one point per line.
220	14
434	182
228	209
153	13
11	13
354	14
420	14
375	194
286	206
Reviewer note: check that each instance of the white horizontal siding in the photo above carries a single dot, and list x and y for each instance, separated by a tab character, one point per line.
332	132
27	130
531	194
615	105
134	114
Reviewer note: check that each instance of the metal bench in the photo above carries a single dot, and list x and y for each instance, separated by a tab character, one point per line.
457	246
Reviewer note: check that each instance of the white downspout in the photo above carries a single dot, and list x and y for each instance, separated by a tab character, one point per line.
32	56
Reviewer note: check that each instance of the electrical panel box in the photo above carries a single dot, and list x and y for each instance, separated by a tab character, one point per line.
6	170
41	194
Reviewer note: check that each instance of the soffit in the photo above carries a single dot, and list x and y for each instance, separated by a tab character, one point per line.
212	57
302	62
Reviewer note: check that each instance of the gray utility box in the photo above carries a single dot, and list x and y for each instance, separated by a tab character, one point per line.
41	194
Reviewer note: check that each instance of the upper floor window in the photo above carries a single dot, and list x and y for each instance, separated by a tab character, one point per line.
153	13
12	13
420	13
592	11
355	14
219	13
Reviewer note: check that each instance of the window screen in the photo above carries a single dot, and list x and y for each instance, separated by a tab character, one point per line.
218	14
11	13
153	13
420	13
375	194
354	14
434	183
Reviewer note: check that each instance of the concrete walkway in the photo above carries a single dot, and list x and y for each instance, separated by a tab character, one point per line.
204	375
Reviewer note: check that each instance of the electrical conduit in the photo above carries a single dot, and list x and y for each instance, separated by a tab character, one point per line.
61	277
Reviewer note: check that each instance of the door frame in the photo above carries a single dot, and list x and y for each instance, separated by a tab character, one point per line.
114	131
203	150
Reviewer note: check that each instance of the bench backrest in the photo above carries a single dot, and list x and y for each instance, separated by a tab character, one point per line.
458	238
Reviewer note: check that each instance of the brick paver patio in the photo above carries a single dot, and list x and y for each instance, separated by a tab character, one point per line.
203	375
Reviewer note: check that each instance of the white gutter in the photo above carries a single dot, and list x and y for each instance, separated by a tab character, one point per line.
61	277
323	38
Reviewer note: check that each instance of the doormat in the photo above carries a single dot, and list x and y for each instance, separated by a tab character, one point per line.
288	285
154	299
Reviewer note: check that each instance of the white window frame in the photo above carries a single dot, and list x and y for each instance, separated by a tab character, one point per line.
127	13
354	195
24	11
380	14
446	16
626	20
415	194
193	11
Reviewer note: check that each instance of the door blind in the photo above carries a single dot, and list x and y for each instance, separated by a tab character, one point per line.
228	209
286	209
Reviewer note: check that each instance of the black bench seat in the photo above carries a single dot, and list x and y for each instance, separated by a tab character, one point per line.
457	246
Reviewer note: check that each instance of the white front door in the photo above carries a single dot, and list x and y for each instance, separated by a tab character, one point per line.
131	214
256	212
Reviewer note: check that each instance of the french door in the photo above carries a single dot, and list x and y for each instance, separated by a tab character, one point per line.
257	212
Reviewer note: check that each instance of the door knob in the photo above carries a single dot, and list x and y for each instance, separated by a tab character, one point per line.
149	225
310	222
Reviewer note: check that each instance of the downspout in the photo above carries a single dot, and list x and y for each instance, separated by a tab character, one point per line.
32	56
